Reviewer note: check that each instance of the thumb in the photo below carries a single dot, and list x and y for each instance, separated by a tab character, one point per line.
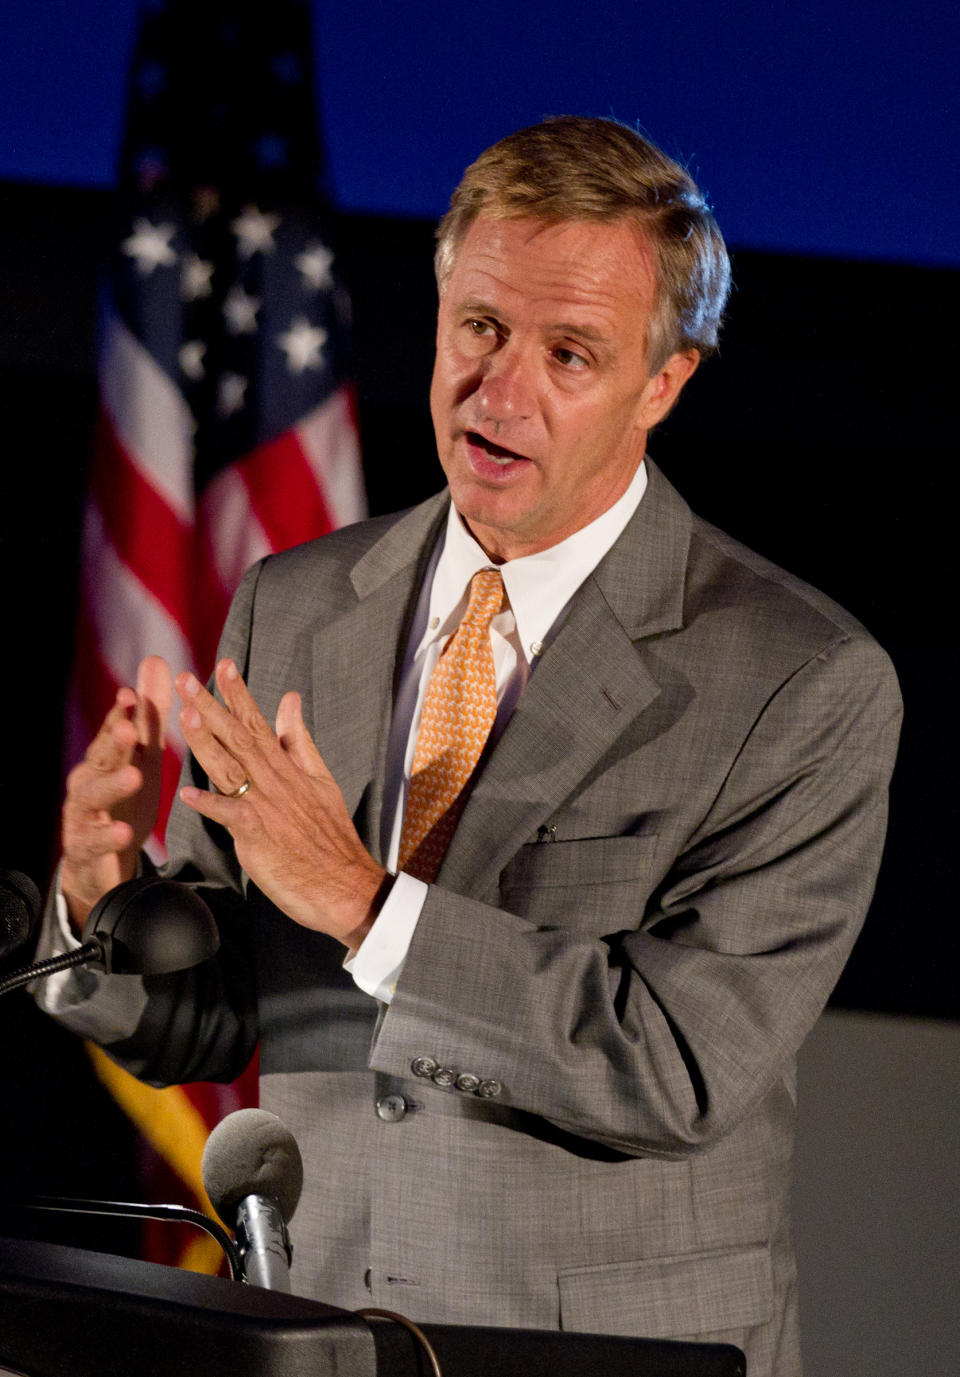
294	737
154	697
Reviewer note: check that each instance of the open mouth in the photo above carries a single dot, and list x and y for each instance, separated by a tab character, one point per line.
497	453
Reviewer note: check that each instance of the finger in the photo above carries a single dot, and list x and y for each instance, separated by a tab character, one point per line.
236	726
96	838
114	743
193	694
224	770
92	790
154	699
239	736
239	700
295	739
217	807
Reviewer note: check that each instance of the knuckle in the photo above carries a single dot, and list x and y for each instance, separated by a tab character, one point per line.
258	727
80	848
240	741
76	779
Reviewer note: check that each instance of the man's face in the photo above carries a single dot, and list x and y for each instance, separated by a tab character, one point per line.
541	395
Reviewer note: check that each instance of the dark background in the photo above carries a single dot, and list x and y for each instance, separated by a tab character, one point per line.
824	434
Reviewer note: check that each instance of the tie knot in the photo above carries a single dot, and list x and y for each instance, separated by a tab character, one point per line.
486	598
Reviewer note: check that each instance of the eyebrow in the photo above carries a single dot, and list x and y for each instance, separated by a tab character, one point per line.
475	307
583	331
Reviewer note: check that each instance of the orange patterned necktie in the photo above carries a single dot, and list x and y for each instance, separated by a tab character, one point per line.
458	712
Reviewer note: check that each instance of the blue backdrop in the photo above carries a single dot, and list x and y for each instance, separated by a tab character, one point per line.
814	127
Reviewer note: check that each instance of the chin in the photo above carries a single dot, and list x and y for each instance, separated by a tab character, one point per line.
479	504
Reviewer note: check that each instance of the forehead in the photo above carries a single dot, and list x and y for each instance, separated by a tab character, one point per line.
602	269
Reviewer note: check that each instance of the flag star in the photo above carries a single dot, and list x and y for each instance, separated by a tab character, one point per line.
191	358
230	394
315	265
255	230
195	278
150	246
303	345
240	311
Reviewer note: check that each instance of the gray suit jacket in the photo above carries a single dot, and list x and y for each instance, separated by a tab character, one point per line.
649	897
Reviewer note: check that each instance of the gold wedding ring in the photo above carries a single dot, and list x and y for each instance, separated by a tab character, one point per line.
239	793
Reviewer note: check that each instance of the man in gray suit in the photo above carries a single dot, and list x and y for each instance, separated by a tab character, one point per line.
554	1086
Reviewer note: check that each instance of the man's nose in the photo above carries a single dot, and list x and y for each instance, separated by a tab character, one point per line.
506	392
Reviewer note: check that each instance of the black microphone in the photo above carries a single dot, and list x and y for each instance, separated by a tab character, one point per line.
146	926
253	1174
20	905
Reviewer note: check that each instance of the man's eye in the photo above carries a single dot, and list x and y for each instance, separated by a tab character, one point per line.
478	337
569	358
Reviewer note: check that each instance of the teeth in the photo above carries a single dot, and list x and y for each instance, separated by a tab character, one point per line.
493	451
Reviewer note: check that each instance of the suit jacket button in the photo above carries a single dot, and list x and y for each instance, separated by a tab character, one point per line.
424	1066
391	1108
445	1076
489	1090
468	1083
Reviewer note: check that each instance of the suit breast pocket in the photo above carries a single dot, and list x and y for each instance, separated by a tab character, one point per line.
596	885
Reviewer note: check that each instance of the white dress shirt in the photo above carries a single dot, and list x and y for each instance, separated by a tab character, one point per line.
539	588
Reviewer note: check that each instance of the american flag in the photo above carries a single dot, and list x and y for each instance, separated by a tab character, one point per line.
226	426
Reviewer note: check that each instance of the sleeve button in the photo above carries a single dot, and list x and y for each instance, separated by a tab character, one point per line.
468	1083
445	1076
489	1090
424	1067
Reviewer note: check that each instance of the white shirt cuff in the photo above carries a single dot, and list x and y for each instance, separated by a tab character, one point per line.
378	961
54	993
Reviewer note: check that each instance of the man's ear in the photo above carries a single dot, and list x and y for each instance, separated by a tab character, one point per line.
663	389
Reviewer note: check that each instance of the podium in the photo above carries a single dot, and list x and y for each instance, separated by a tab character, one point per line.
68	1310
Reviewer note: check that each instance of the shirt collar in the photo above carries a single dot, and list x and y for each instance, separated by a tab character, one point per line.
538	586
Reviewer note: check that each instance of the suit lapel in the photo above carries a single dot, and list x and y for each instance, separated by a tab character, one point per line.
591	682
355	660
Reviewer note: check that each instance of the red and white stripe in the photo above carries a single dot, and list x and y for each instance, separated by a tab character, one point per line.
159	566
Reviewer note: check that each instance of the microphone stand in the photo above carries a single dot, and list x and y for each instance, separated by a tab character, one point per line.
177	1214
90	952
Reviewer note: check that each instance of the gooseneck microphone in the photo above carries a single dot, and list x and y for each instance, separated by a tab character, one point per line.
253	1174
147	926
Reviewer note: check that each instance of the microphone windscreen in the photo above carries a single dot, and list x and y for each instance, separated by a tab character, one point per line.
252	1152
20	905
